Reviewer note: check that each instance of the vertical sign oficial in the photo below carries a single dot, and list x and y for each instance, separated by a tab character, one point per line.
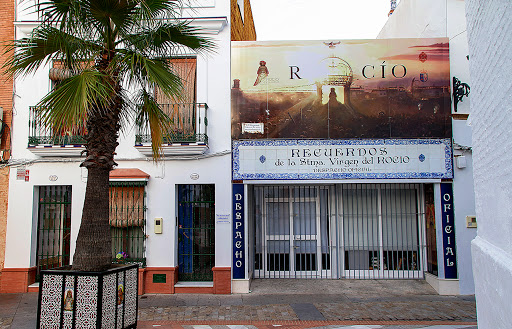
238	232
449	252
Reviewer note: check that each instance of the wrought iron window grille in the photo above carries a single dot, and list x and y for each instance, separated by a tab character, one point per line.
127	220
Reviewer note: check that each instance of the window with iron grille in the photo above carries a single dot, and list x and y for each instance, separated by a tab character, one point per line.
42	133
182	109
189	118
128	221
54	227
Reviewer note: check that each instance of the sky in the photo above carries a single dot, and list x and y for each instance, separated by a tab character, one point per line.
319	19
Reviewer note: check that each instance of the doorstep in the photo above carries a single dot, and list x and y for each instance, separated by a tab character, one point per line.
34	287
193	287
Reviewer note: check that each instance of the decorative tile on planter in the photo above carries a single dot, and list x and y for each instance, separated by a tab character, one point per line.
96	300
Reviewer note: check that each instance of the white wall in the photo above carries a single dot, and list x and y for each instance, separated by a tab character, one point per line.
213	84
21	237
490	40
445	18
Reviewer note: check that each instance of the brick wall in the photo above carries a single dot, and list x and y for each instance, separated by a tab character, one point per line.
222	280
489	26
6	34
242	30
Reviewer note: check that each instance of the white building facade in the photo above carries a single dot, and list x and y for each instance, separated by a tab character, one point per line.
168	216
349	157
446	18
324	159
490	39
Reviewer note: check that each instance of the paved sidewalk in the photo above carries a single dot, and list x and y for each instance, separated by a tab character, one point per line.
362	304
305	325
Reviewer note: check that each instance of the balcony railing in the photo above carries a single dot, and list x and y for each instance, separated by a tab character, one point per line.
189	123
187	134
40	134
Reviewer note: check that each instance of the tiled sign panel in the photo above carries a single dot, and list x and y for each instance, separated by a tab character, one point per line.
342	159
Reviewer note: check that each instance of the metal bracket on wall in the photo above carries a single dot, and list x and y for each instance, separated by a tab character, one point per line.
460	89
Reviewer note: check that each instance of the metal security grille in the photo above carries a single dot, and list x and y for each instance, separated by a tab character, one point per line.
362	231
292	232
382	230
128	221
196	232
54	227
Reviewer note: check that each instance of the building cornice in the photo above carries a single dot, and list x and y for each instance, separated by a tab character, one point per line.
208	25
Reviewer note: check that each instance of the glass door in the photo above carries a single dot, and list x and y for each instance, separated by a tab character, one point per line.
277	238
381	231
292	233
306	225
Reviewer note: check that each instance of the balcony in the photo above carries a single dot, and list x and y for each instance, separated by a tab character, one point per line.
47	141
187	135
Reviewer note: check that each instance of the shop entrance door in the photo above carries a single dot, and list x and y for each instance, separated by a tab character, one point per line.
382	231
293	228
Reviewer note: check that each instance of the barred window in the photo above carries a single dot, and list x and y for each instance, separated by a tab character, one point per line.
181	109
128	221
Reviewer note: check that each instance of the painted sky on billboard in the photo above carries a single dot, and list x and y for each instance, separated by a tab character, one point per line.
383	88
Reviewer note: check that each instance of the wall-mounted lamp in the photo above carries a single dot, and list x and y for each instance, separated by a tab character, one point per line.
460	89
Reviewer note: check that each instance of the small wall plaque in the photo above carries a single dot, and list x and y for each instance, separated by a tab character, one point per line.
471	221
159	278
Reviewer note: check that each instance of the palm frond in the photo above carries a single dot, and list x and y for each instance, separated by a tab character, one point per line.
149	72
70	103
167	39
149	11
47	43
150	114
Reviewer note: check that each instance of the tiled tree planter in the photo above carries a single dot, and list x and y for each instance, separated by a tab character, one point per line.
83	300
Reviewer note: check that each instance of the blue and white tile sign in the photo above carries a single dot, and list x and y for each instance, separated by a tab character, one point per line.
238	232
342	159
449	250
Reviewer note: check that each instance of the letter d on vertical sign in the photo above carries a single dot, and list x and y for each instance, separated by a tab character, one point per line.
238	232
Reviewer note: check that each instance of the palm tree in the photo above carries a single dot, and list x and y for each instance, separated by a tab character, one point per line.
105	46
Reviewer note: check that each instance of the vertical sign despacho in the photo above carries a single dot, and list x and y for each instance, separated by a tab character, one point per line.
238	232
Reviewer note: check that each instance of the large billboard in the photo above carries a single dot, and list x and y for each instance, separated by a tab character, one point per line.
383	88
341	109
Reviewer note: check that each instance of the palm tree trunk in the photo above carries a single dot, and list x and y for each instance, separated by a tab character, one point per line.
94	243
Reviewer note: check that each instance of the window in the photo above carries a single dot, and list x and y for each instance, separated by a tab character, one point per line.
65	135
181	110
54	227
128	221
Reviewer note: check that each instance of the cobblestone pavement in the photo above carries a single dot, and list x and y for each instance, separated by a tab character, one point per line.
332	304
392	310
315	300
311	326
